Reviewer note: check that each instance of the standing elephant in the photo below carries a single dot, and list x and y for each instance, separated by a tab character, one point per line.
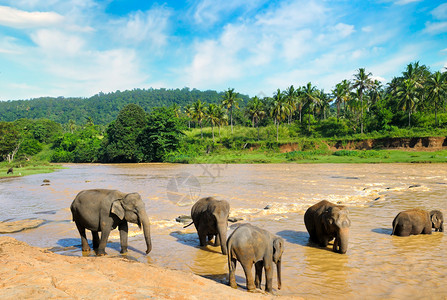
325	221
417	221
250	245
210	217
104	210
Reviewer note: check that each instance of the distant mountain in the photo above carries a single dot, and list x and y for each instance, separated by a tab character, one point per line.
103	108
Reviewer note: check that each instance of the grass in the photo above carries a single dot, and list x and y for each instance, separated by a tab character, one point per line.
28	170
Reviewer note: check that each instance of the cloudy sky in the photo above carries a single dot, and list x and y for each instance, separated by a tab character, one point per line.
82	47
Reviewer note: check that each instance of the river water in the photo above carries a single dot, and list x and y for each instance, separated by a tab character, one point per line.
376	266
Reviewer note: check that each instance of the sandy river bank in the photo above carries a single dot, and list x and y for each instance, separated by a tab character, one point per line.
28	272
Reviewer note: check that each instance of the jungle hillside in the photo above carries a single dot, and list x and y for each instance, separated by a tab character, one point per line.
359	120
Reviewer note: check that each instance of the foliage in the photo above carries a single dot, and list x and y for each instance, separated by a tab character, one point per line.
161	135
120	144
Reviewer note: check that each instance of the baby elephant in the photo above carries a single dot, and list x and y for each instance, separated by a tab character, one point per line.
417	221
249	244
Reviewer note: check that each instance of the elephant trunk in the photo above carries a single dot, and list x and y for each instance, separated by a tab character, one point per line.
278	272
343	237
222	230
146	230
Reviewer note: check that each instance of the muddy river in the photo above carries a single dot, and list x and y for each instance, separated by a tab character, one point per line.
376	265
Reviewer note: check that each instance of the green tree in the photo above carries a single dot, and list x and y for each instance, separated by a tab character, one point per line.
121	142
255	109
291	99
280	110
437	89
10	140
309	99
362	82
161	135
212	114
231	100
407	96
199	114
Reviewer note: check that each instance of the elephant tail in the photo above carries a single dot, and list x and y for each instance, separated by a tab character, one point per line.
188	225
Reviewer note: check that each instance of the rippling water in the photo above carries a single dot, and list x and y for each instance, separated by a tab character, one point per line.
376	265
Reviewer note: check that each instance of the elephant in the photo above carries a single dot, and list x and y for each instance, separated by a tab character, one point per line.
250	245
417	221
325	221
104	210
10	171
210	217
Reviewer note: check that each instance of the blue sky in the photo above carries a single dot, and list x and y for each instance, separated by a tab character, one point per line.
82	47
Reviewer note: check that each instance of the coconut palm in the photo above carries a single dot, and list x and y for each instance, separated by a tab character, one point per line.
231	101
199	114
256	110
189	111
309	99
280	110
407	95
212	114
291	99
437	89
362	82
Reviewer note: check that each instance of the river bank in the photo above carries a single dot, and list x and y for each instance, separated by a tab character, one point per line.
28	272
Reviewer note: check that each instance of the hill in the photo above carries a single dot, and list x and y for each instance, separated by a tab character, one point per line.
102	108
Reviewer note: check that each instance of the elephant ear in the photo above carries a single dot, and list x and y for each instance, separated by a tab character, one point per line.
118	209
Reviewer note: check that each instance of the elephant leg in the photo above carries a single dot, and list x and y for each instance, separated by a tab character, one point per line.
232	276
258	273
217	240
247	265
202	239
103	242
95	237
268	277
84	242
123	236
210	237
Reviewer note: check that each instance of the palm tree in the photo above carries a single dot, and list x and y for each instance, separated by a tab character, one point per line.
407	95
255	109
221	117
339	94
212	114
189	111
437	89
280	109
199	114
230	100
362	82
309	98
291	96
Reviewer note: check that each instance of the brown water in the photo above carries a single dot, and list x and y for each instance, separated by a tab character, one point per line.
376	266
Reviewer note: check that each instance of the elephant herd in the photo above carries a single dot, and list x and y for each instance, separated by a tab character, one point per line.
102	210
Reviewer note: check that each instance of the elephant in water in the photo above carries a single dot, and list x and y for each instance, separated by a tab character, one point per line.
250	245
417	221
104	210
325	221
210	217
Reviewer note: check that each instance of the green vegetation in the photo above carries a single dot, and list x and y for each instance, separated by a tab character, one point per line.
303	124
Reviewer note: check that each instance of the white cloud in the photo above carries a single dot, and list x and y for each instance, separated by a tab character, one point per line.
435	28
440	12
149	26
405	2
57	43
15	18
344	30
209	12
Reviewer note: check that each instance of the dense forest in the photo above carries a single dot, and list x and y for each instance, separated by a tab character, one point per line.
175	125
101	108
